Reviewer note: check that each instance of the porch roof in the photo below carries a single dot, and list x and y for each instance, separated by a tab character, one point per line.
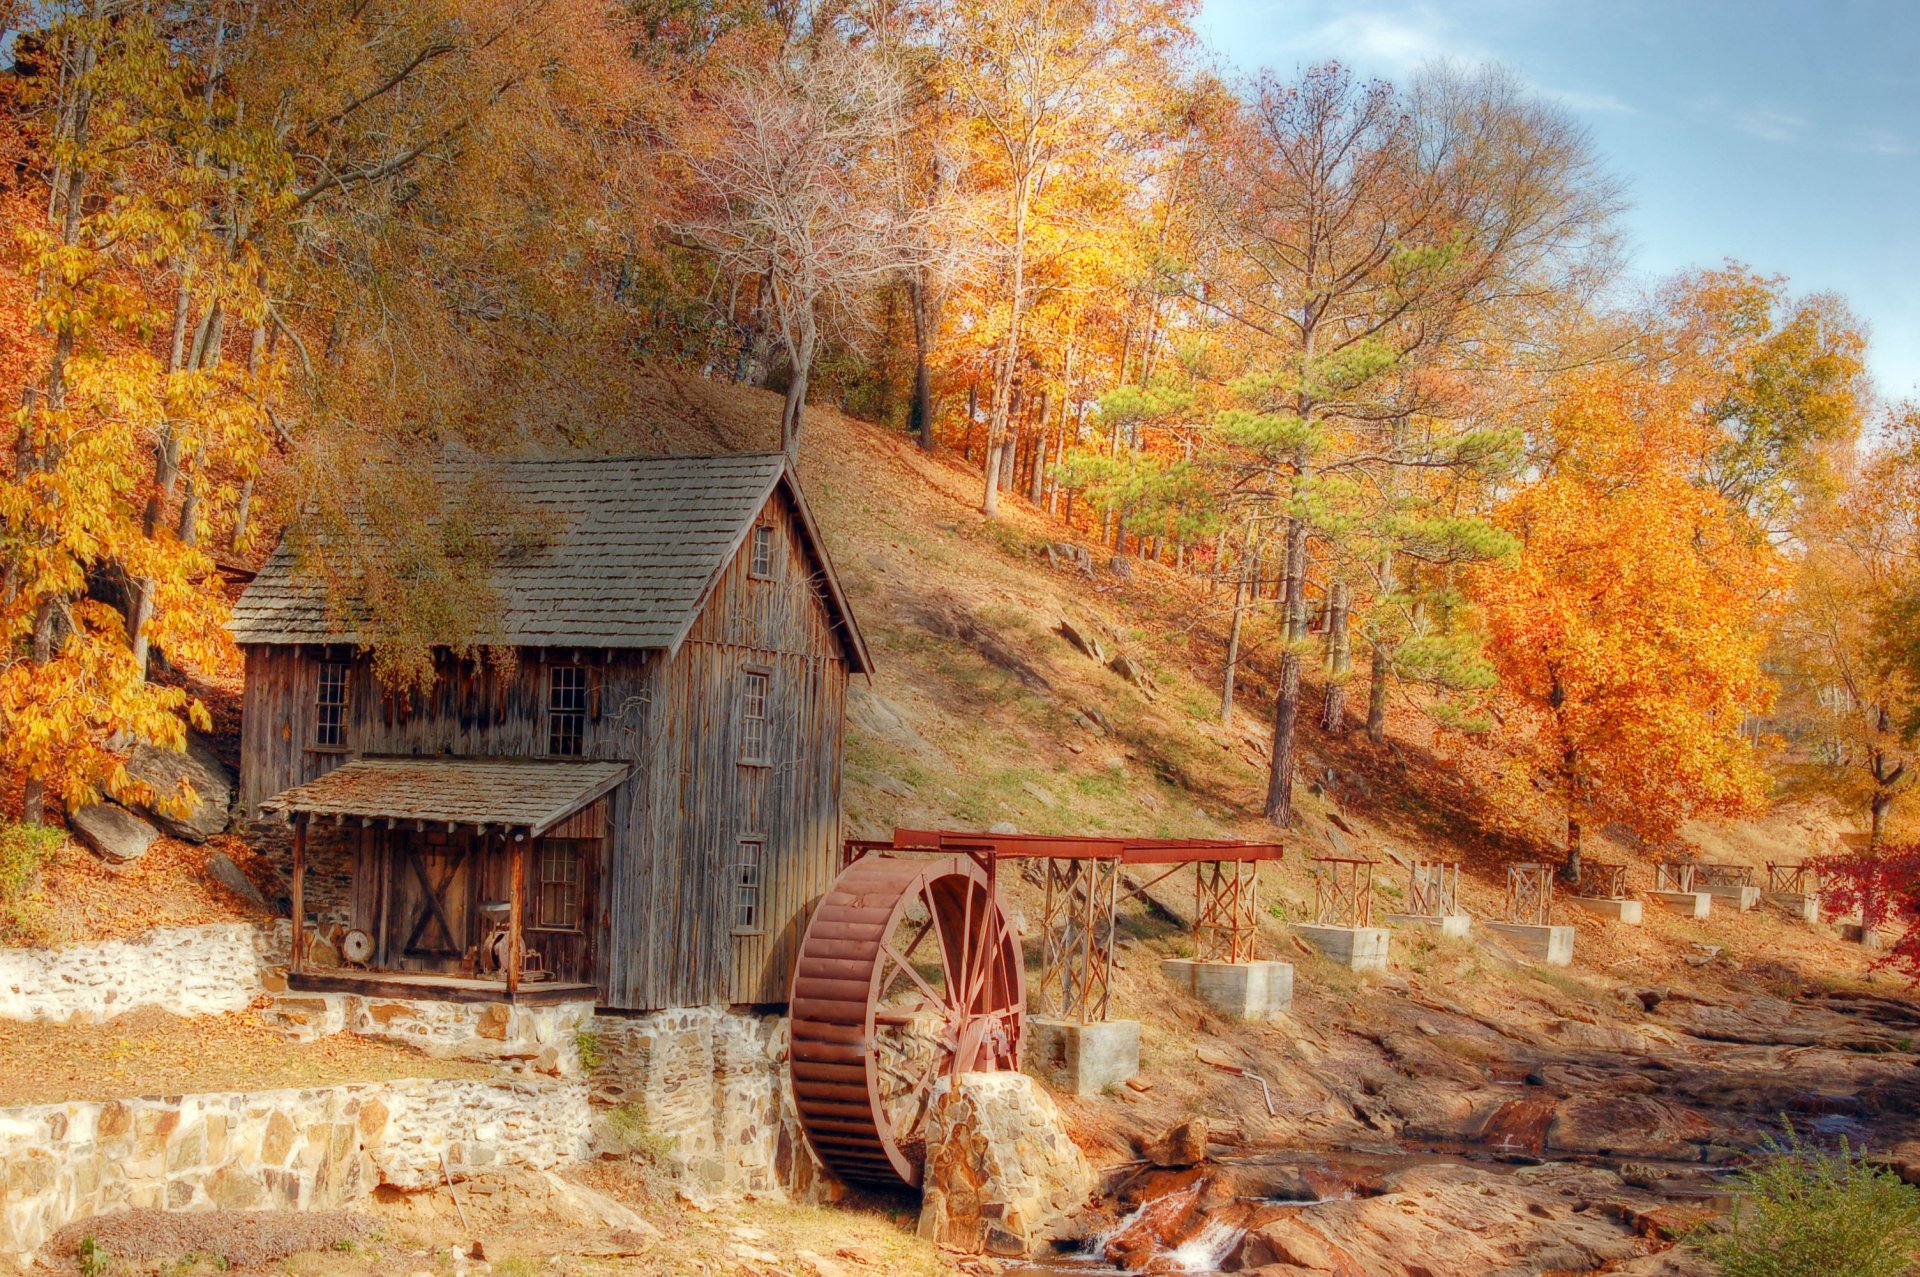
533	794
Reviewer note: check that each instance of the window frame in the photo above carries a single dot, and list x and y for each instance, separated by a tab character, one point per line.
749	875
745	756
320	707
576	849
557	716
760	538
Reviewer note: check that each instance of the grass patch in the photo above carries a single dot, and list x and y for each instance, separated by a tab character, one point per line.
24	851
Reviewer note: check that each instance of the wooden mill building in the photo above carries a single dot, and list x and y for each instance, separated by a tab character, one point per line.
644	801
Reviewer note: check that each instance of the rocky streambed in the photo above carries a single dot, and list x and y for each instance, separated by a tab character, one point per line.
1464	1146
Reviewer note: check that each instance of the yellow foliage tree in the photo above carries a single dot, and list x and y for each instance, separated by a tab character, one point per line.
1630	629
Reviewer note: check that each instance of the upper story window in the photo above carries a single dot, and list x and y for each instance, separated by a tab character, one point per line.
753	717
566	709
760	565
330	705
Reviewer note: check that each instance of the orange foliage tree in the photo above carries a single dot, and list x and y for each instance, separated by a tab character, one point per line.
1630	628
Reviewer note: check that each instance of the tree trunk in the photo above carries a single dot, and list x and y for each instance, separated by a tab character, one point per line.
920	410
1286	711
1570	777
793	411
1333	713
1003	375
1037	480
1233	650
1377	695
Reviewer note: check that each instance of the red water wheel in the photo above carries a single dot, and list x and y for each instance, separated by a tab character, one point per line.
907	973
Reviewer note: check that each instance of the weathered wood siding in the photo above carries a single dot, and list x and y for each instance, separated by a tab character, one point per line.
664	932
705	800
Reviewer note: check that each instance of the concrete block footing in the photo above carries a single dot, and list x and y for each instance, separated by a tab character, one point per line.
1797	904
1631	912
1741	898
1456	925
1361	948
1551	945
1865	937
1243	990
1691	904
1083	1059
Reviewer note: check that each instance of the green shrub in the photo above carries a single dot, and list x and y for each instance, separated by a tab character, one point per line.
633	1130
23	850
1804	1212
88	1256
587	1043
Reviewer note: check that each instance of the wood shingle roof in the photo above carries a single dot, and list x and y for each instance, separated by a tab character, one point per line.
628	551
516	793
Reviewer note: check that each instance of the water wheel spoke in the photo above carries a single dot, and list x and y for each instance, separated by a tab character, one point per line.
933	994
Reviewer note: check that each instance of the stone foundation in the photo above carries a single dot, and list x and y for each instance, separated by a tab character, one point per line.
516	1036
1001	1174
1551	945
1360	948
327	888
1688	904
207	970
1630	912
1454	925
707	1090
298	1149
1243	990
1082	1059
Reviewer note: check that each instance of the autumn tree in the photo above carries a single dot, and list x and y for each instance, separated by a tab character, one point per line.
1046	86
1853	679
1355	234
784	160
1630	629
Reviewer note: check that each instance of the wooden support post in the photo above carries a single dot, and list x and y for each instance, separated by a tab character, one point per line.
299	894
515	896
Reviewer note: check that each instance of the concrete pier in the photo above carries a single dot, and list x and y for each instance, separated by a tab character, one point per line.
1865	937
1456	925
1361	948
1243	990
1083	1059
1733	897
1804	905
1551	945
1691	904
1630	912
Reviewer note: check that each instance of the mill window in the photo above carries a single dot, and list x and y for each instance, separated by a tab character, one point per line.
753	718
566	709
746	886
330	706
761	564
557	904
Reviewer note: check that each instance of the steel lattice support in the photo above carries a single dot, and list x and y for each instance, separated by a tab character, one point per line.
1077	925
1433	888
1603	881
1342	892
1225	910
1792	879
1674	876
1530	894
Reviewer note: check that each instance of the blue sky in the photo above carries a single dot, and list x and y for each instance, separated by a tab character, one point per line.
1785	135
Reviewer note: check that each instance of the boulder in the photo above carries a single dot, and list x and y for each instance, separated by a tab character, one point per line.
221	869
1084	643
167	770
1131	670
1179	1146
114	832
1001	1174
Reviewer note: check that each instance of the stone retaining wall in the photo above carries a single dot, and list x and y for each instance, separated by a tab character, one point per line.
709	1087
516	1036
299	1149
203	970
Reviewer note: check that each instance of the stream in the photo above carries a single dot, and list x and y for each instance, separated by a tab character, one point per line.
1197	1220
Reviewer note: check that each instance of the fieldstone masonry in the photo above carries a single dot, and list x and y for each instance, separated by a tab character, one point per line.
518	1037
1001	1175
711	1088
299	1149
188	970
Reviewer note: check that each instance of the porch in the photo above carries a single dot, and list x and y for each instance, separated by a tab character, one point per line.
473	879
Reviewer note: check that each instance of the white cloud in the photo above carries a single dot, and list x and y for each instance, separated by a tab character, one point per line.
1884	142
1764	122
1579	100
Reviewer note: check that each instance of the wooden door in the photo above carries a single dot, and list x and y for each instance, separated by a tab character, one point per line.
432	879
